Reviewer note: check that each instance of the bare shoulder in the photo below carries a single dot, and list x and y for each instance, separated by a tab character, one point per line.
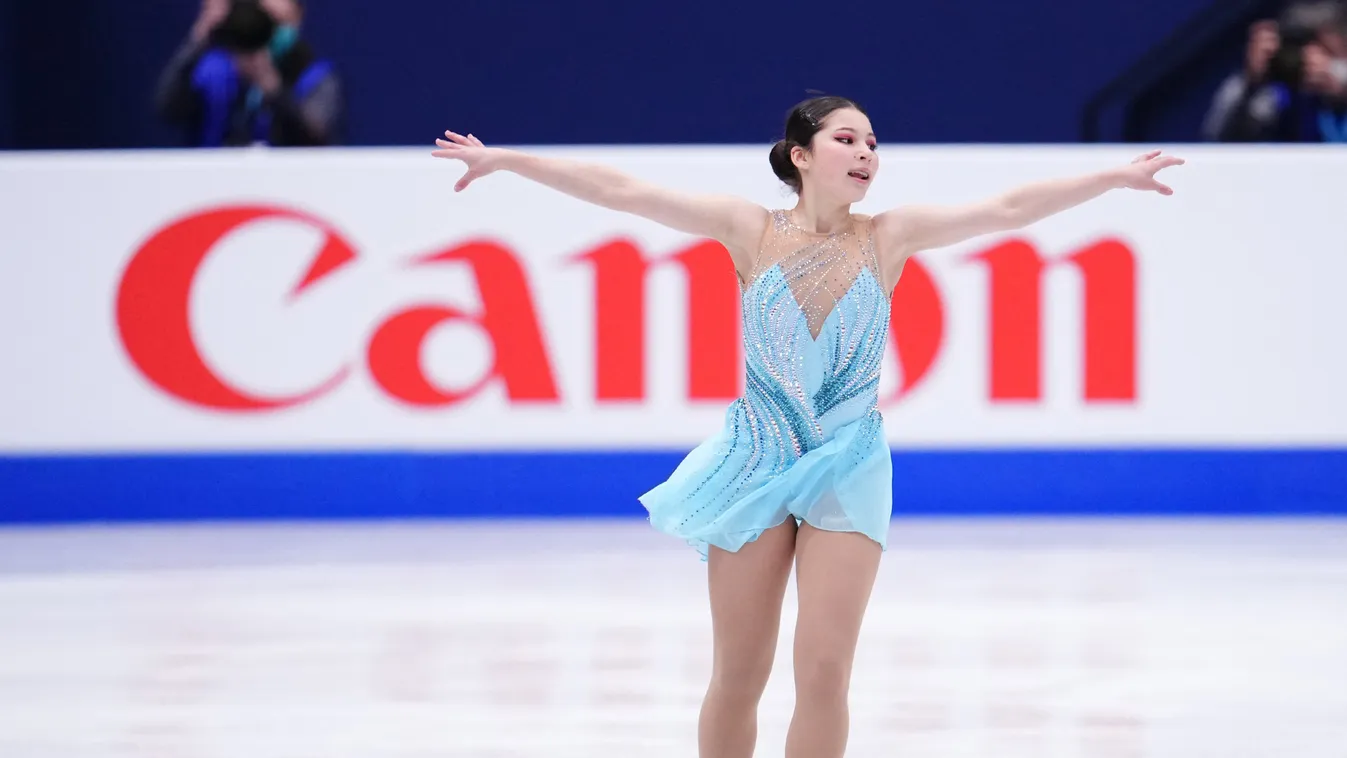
890	225
747	221
745	224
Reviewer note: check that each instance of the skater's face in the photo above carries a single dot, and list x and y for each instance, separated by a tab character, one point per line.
843	159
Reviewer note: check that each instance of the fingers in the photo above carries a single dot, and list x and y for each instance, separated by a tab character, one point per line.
1158	166
464	181
447	150
465	141
1165	162
454	147
468	141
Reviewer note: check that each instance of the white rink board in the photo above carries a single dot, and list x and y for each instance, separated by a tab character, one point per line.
1238	299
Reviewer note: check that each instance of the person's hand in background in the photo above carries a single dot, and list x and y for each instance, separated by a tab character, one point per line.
258	68
1322	76
212	13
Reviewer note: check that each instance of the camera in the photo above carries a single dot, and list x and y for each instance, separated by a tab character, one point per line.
1287	65
246	28
1299	27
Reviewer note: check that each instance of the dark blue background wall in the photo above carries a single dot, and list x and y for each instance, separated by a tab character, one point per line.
536	72
8	67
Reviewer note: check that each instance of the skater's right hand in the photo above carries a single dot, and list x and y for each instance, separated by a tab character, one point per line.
480	159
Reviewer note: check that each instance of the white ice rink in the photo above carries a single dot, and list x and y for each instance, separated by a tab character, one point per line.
1107	639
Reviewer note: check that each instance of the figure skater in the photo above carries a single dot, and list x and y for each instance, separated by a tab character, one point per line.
800	472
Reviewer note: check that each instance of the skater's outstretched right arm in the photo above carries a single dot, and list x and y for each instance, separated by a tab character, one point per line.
735	222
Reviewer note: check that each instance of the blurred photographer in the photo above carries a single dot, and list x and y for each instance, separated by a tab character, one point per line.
245	76
1294	84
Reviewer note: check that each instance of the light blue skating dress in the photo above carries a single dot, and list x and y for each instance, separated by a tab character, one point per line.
806	440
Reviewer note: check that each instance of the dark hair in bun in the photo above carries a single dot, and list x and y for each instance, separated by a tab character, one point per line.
802	124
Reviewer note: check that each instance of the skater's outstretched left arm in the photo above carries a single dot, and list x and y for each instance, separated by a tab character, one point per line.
909	230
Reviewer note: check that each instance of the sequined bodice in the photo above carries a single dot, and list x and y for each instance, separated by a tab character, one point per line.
815	320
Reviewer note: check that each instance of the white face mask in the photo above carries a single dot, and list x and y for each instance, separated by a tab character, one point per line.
1338	68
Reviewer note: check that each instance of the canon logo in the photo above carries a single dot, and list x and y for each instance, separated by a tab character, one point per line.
153	319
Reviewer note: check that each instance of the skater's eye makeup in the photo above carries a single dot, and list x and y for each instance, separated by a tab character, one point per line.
846	138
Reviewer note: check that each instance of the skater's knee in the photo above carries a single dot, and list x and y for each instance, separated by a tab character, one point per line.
742	679
822	677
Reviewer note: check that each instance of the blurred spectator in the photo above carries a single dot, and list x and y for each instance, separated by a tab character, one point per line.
1294	84
246	76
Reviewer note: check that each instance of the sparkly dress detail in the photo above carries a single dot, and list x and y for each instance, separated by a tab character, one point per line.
806	440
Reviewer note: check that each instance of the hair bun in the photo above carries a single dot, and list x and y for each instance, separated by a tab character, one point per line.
782	165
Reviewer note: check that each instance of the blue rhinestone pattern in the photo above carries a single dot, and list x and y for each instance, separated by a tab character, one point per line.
806	439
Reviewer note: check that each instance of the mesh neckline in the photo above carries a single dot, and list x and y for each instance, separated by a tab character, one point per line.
849	228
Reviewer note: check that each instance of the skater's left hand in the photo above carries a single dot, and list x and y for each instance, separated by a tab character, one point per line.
480	159
1140	173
